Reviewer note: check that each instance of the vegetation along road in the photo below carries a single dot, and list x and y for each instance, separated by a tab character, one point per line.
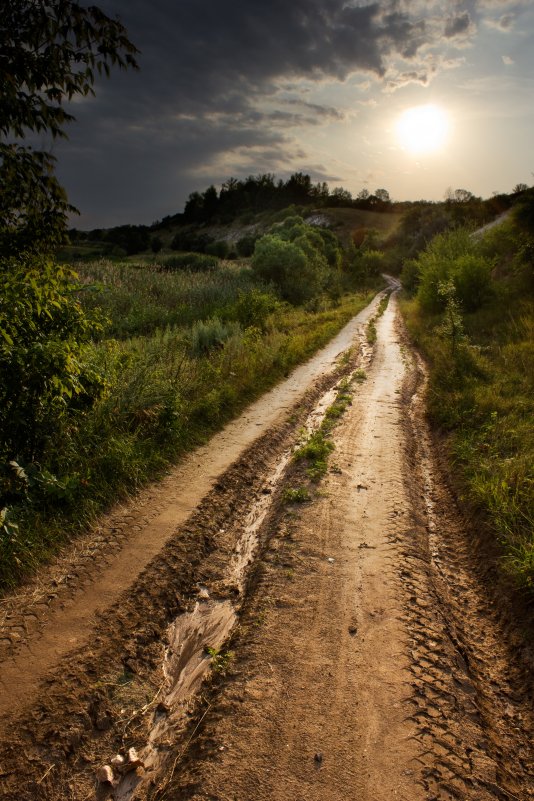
293	613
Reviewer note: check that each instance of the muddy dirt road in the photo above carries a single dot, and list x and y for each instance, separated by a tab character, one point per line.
218	640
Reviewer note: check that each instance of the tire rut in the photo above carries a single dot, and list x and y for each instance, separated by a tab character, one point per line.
103	697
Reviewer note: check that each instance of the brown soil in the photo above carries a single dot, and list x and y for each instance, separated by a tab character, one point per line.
356	651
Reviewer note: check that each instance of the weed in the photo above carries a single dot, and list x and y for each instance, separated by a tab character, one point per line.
177	363
298	495
481	390
359	376
345	357
371	332
382	306
290	574
220	660
315	451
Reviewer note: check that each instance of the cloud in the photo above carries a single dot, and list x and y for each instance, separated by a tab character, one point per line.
213	87
459	26
503	24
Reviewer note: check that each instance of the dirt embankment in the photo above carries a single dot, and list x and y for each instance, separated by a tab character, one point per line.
354	653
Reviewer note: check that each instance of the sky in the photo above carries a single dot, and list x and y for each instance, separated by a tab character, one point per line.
229	88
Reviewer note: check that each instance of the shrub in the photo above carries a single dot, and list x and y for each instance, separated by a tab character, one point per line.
207	335
294	259
454	256
219	249
195	262
252	308
245	245
286	265
43	329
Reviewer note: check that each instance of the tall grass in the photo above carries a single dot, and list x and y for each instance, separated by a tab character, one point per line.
184	353
139	298
482	393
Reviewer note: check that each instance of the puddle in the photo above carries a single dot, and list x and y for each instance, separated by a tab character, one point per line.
186	659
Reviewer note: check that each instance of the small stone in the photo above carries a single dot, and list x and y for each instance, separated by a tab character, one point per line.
134	761
318	758
118	761
203	593
353	630
330	560
104	775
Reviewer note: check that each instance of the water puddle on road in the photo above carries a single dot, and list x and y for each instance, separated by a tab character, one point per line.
195	638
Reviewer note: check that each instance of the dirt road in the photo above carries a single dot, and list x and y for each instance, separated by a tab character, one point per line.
251	647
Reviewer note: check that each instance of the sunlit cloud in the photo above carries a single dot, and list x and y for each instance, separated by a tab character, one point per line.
271	86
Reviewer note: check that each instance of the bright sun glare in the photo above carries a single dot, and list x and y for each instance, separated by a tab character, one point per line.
422	129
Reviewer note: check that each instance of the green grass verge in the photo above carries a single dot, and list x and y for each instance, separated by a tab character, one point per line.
167	389
482	395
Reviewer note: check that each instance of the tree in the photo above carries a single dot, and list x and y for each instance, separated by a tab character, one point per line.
50	52
382	195
458	195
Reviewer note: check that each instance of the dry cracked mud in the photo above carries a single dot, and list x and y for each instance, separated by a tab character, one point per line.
246	646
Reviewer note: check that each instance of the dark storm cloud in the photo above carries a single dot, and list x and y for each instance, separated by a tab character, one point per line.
458	25
210	84
199	53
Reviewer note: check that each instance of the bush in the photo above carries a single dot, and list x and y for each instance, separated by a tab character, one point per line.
285	264
207	335
219	249
454	256
43	329
298	258
195	262
253	308
245	245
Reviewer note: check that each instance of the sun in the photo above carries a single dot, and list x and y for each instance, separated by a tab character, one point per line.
423	129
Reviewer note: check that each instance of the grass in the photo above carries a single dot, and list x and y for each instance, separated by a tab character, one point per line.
370	332
184	353
221	661
296	495
481	394
138	298
315	451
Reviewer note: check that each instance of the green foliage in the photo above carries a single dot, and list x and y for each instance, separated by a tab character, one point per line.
481	391
252	309
296	495
42	330
452	327
156	244
195	262
219	249
221	661
245	245
370	332
284	264
156	398
299	259
139	298
315	452
49	52
524	212
453	257
207	335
